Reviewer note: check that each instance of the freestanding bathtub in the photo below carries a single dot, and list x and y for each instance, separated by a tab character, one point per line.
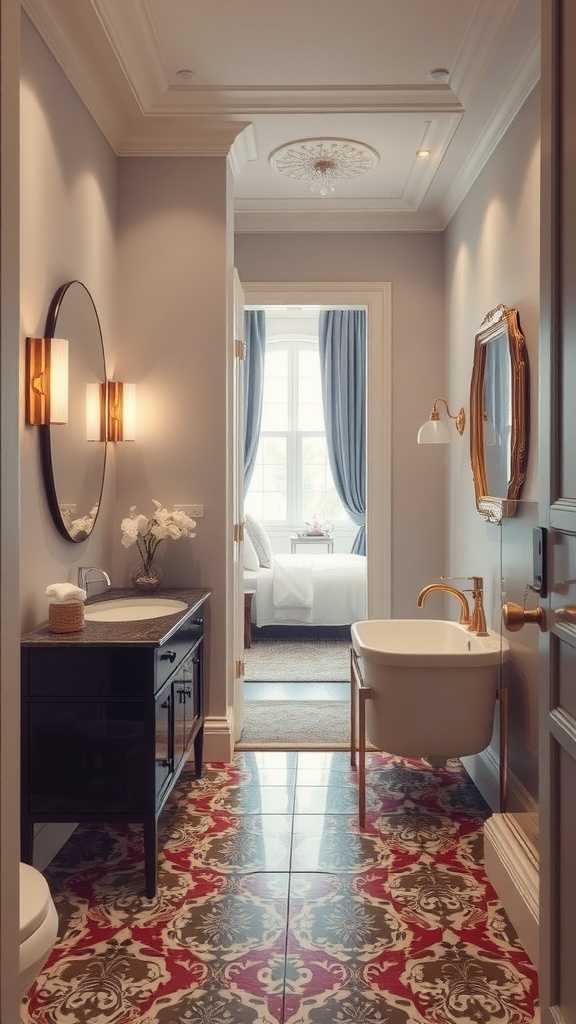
433	683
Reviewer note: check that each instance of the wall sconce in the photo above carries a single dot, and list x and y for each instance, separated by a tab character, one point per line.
435	430
46	381
121	419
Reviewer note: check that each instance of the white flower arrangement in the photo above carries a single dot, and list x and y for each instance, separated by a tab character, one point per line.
148	532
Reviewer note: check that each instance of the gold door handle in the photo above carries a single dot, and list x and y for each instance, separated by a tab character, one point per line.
567	614
515	616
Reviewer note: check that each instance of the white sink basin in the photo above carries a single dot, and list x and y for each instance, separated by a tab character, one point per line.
131	609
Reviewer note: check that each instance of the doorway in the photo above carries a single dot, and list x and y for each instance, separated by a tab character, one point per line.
296	665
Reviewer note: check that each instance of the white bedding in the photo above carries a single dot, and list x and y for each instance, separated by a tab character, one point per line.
311	590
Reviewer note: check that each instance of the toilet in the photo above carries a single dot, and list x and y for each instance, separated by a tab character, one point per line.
38	925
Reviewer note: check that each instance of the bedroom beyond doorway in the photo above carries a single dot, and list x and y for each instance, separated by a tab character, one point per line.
305	577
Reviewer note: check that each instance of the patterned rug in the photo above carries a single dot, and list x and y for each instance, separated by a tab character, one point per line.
273	907
284	658
299	723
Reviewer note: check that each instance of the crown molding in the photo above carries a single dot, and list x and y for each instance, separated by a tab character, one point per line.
197	137
129	29
494	130
487	25
307	99
95	91
272	221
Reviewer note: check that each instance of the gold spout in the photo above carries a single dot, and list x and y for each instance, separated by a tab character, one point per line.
444	588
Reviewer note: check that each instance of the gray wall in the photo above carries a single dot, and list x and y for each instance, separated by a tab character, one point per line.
492	256
175	261
414	265
68	230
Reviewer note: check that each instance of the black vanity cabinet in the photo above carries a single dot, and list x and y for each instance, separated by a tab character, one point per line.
109	717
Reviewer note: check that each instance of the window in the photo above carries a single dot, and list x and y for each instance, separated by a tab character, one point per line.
292	479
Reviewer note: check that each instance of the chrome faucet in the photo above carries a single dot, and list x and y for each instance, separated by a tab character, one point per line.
477	621
85	572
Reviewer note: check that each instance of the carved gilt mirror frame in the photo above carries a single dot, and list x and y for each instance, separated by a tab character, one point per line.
498	322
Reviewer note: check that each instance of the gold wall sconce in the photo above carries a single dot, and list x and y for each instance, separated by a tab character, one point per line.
121	415
46	381
436	430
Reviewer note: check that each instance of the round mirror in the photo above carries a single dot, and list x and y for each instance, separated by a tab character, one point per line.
74	449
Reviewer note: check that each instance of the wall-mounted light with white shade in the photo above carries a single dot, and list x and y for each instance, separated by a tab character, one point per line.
436	430
46	381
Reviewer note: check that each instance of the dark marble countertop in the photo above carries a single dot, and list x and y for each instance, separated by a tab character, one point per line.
143	632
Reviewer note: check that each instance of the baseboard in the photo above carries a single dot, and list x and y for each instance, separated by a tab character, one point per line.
48	841
218	738
512	865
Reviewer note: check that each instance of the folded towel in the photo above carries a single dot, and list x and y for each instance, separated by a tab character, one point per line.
65	593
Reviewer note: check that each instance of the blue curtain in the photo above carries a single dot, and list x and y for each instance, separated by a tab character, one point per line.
343	369
255	331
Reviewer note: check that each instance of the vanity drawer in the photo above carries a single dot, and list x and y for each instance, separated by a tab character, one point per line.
91	672
170	655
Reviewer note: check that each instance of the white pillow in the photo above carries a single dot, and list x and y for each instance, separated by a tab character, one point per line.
250	557
260	540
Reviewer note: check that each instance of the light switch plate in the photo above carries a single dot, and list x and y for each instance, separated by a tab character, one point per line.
195	511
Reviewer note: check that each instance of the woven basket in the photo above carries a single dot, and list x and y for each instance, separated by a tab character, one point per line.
66	618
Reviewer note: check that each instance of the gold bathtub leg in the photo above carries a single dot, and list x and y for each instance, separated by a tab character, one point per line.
353	703
364	694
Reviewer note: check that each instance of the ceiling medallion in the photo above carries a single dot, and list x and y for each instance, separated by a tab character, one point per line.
323	162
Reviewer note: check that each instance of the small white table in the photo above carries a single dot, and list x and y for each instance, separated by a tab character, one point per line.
295	539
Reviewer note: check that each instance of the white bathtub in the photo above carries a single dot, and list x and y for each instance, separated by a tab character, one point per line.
434	685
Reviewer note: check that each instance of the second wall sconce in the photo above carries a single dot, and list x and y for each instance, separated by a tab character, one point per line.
436	430
121	418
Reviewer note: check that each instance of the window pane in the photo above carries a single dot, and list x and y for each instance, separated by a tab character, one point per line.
310	410
275	403
267	496
319	495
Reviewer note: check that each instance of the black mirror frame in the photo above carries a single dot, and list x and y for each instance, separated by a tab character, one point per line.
45	431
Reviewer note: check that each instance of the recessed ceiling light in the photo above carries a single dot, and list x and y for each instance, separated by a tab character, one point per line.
185	73
422	154
439	74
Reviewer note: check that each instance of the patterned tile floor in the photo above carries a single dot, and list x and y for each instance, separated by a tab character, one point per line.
273	907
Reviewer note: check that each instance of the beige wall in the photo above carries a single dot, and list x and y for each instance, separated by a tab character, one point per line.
413	263
492	256
175	252
68	230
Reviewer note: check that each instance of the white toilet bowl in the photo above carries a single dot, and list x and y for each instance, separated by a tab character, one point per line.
38	925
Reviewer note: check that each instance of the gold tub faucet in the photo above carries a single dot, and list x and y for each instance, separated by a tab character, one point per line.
477	621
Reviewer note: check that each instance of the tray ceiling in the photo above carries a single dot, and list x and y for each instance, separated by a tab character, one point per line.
260	75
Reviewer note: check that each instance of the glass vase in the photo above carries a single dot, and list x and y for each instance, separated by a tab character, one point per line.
147	578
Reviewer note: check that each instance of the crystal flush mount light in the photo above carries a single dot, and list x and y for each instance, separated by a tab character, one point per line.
322	163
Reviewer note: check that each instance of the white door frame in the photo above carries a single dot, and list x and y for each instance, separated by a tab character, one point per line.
376	298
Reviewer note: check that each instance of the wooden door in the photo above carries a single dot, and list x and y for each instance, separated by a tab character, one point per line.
558	463
238	499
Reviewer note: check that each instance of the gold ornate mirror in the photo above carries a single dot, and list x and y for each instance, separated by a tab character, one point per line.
499	414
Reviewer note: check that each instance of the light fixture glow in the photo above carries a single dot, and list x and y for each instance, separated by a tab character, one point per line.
422	154
46	381
129	412
95	411
436	430
121	411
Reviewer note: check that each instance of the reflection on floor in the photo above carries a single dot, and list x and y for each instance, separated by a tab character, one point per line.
273	908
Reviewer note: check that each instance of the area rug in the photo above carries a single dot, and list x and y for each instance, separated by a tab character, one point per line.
284	660
273	908
299	723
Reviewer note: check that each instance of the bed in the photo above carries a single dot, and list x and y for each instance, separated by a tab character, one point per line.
309	590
